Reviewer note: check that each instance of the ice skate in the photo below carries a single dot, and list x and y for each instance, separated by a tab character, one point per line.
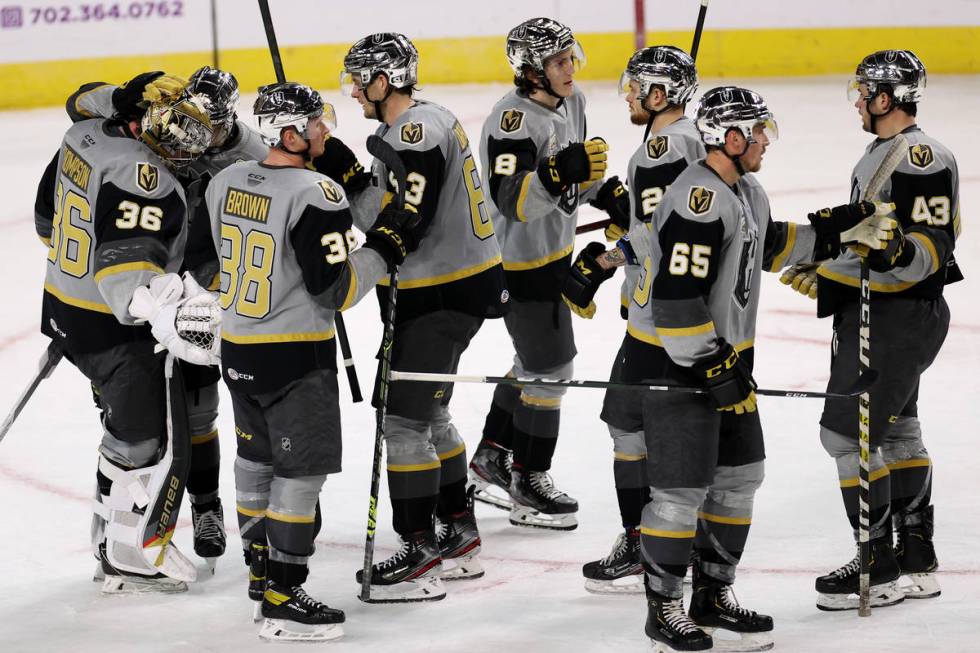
291	615
117	582
459	544
209	531
714	608
539	504
838	590
411	575
669	627
620	572
490	475
917	555
256	558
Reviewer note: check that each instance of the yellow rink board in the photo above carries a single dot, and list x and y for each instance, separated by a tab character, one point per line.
723	53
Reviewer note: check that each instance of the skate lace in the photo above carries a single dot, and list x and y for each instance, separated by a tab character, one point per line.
543	485
207	526
400	555
619	548
852	567
729	602
300	595
676	617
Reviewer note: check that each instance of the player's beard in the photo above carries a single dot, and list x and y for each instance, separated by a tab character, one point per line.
639	117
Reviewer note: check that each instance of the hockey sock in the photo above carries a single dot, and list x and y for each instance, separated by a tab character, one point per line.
202	481
287	574
499	425
452	499
535	437
413	515
631	502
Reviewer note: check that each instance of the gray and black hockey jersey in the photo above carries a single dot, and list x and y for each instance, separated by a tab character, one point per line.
113	217
458	265
285	242
925	189
536	229
652	169
700	280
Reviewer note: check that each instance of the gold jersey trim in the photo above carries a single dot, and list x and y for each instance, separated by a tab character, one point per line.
674	535
419	467
135	266
76	302
675	332
270	338
780	260
855	282
519	266
408	284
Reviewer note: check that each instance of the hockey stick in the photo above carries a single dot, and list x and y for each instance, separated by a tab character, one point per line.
893	157
45	366
860	385
698	29
338	319
385	153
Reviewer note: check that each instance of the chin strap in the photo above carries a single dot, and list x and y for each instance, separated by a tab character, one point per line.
377	103
874	116
737	159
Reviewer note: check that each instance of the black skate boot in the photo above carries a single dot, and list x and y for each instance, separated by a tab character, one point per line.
539	504
714	606
209	530
411	575
256	557
916	553
620	572
115	581
292	615
670	629
838	590
490	475
459	543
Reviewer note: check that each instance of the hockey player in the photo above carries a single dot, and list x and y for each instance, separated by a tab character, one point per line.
909	318
539	166
113	215
232	140
658	83
445	291
700	283
284	234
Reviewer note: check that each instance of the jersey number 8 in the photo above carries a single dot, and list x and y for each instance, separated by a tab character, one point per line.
251	292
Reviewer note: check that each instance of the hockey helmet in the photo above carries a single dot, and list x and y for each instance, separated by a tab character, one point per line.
536	40
387	52
661	65
897	72
289	104
177	128
219	89
729	107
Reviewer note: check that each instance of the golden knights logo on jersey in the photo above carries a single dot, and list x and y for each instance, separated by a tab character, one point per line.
412	133
330	192
658	146
700	199
147	176
511	120
920	155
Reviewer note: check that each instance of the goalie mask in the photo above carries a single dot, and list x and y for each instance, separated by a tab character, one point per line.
219	91
289	104
533	42
177	128
899	73
665	66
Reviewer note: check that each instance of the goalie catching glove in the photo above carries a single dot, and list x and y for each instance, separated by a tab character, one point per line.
578	163
583	280
728	380
184	317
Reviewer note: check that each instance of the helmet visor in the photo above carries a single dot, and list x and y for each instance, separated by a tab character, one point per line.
573	56
346	83
767	127
625	85
329	117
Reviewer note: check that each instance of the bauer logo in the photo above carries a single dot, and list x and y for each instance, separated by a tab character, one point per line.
330	192
920	155
412	133
511	121
658	146
700	199
147	177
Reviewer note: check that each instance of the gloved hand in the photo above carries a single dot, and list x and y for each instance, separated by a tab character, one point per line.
898	253
577	163
199	316
132	98
583	280
158	303
728	380
872	233
395	234
614	199
340	164
802	278
829	223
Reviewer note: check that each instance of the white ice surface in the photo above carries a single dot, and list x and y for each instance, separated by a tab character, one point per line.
532	597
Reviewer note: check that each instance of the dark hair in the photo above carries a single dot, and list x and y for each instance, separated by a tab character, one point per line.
407	90
911	108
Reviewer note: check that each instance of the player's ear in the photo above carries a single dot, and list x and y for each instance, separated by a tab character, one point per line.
734	140
135	127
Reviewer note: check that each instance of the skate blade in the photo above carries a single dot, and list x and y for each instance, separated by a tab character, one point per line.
282	630
119	585
257	611
531	518
427	588
662	647
98	575
730	641
211	563
465	567
632	584
920	586
490	494
882	596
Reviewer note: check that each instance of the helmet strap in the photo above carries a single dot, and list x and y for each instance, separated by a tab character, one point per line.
874	116
653	113
378	111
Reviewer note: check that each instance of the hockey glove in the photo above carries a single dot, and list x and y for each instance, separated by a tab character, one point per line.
578	163
340	164
615	201
872	233
728	380
583	280
395	234
159	304
829	223
802	278
132	98
898	253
